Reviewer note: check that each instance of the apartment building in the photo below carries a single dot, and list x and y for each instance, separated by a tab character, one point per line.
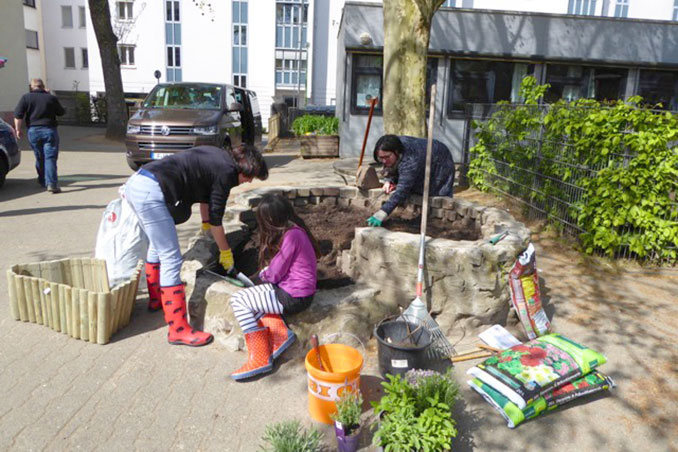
582	48
282	49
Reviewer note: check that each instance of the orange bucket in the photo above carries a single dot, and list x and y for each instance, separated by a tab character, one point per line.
342	373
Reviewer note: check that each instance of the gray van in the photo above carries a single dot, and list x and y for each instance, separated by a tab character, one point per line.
179	116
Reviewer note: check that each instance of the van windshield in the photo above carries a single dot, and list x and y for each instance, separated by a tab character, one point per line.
199	97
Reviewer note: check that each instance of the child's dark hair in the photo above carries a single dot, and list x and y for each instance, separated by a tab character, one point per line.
274	214
249	161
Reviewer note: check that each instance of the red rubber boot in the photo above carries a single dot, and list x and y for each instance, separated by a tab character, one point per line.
180	332
153	284
281	336
259	358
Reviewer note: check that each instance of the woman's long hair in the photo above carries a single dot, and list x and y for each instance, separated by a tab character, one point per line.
275	216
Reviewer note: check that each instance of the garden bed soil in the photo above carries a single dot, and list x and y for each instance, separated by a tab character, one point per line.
334	228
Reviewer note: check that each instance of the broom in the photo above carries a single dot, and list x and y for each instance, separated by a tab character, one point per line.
417	311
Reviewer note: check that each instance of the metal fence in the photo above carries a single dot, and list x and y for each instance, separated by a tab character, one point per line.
552	195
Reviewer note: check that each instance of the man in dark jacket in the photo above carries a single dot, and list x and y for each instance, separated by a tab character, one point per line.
39	109
404	160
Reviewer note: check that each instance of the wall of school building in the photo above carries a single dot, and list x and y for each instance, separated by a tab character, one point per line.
480	56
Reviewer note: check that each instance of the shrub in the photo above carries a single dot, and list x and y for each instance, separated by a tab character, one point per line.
290	436
416	412
316	125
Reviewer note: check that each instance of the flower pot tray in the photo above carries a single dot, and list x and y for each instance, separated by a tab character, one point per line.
72	296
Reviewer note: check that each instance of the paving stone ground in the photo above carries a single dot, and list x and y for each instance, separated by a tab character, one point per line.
139	393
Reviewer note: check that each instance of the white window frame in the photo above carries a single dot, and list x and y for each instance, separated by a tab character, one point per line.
174	4
66	49
621	9
66	16
124	10
124	55
82	16
175	50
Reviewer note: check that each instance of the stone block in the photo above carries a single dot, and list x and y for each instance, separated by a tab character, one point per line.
348	192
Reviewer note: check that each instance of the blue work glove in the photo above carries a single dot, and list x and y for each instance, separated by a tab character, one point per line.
377	218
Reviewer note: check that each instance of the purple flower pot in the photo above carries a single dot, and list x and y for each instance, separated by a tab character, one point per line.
347	443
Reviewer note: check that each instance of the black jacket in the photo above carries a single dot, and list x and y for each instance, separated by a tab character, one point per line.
39	108
202	174
409	177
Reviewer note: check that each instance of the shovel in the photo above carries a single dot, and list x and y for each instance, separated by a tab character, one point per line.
366	176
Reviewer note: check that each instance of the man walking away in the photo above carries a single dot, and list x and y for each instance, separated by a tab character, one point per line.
39	109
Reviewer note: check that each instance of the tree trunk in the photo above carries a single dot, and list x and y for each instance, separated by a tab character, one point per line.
407	30
110	63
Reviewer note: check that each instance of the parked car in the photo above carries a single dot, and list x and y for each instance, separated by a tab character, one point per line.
10	157
179	116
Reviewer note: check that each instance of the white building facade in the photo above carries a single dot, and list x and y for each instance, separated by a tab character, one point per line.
282	49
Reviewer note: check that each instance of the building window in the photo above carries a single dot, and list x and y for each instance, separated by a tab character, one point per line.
30	3
479	82
66	17
172	11
582	7
659	87
126	54
85	58
287	72
622	8
82	16
291	25
69	57
32	39
173	56
576	82
675	9
366	81
239	51
125	10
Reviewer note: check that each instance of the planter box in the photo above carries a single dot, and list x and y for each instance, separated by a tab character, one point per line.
316	146
72	296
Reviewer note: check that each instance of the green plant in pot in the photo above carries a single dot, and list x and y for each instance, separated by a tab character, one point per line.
416	412
347	420
290	436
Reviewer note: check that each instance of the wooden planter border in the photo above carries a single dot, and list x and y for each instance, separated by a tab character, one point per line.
72	296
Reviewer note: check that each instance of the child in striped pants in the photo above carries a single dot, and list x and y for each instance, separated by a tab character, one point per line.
289	283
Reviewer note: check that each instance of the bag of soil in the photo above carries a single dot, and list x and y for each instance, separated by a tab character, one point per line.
525	372
584	386
525	297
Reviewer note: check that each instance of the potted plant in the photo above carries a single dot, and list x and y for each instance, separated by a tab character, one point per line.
290	436
318	135
347	420
416	412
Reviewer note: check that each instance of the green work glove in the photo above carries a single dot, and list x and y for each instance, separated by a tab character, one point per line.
226	259
377	218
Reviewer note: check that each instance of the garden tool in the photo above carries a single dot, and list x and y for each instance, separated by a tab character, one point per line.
366	176
416	311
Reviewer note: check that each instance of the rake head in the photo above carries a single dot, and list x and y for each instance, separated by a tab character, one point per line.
416	313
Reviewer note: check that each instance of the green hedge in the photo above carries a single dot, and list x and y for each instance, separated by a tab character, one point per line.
628	196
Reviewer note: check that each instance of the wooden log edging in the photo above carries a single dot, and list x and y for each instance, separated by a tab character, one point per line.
72	296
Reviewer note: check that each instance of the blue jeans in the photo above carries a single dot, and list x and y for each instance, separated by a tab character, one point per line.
45	143
147	200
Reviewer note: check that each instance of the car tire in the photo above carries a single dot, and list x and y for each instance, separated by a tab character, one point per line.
4	169
134	166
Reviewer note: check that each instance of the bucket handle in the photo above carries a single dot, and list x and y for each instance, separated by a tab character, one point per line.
327	340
